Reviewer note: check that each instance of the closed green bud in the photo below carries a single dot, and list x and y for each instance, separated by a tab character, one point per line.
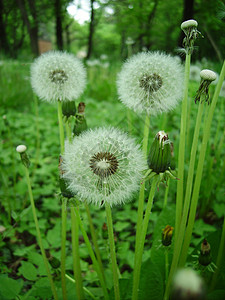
159	158
205	257
62	184
68	108
80	122
54	262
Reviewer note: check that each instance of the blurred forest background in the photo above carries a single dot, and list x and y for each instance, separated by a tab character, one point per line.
30	27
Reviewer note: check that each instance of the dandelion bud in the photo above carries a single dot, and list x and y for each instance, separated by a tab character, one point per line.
80	123
21	149
54	262
160	153
207	76
190	29
69	108
104	231
167	235
187	285
205	255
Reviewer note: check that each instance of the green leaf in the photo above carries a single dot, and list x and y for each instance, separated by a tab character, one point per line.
151	282
28	270
9	288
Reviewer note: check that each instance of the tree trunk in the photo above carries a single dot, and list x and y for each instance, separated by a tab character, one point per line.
59	29
4	45
91	31
188	14
32	27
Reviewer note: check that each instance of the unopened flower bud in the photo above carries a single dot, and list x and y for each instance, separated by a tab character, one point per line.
80	123
187	285
68	108
205	254
189	27
160	153
104	231
207	76
167	235
54	262
21	149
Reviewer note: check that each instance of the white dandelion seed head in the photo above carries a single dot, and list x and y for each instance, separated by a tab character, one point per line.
186	283
151	82
208	75
188	24
58	75
195	73
103	165
21	148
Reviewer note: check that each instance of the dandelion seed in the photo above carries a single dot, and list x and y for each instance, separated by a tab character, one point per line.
103	165
58	75
151	82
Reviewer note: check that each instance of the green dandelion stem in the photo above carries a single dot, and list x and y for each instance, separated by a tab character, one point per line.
219	257
61	130
112	250
181	154
94	239
39	234
198	178
146	133
91	253
140	245
76	255
166	193
68	130
181	232
84	288
63	247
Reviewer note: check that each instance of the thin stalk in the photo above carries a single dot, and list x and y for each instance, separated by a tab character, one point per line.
37	132
181	232
146	133
68	130
219	257
198	178
140	245
61	130
76	256
39	235
64	209
166	265
63	247
166	193
94	239
112	251
84	288
181	154
92	255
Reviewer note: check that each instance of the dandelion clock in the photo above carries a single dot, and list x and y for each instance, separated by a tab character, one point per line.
151	82
59	76
103	165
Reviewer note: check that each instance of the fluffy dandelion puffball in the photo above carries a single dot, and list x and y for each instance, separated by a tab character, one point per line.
58	75
103	165
151	82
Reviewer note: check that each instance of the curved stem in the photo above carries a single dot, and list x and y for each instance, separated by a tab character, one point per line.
112	250
39	235
61	130
146	133
140	245
181	154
